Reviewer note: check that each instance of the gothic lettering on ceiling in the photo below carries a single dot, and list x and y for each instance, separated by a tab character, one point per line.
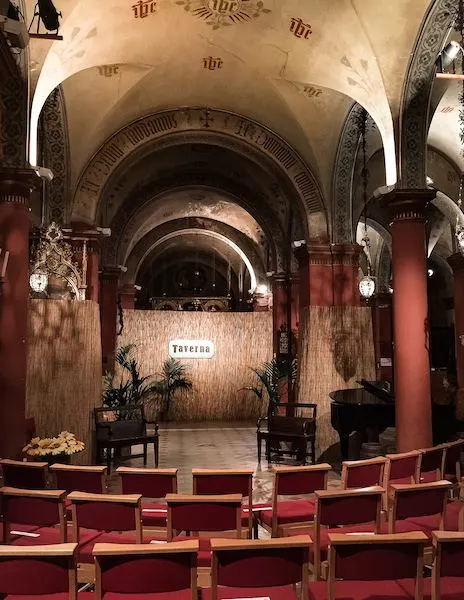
223	13
108	70
144	8
300	29
211	63
311	92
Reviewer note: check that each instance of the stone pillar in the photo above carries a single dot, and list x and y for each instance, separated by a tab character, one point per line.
295	303
456	262
382	327
109	277
127	294
15	189
301	255
410	319
320	275
346	274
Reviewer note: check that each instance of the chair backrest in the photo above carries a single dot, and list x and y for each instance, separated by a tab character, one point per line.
119	423
449	558
401	467
24	475
38	570
223	481
418	500
80	478
453	459
260	563
298	481
43	508
348	507
151	483
432	463
376	558
105	512
363	473
204	513
146	568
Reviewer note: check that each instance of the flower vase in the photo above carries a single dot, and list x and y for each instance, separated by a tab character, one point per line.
62	459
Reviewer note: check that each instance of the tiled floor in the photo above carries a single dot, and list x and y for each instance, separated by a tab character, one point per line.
212	445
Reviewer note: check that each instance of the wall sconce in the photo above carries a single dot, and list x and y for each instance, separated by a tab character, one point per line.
4	256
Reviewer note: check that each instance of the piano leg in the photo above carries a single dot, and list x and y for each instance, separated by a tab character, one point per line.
344	446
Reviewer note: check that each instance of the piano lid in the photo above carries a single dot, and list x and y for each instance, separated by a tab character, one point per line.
370	393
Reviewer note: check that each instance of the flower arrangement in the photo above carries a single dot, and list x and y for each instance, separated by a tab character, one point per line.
64	444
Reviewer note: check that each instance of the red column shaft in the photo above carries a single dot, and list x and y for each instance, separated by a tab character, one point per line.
456	262
279	308
15	189
321	288
410	322
108	315
295	299
93	278
127	295
301	254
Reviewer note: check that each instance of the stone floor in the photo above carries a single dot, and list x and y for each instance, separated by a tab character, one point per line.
212	445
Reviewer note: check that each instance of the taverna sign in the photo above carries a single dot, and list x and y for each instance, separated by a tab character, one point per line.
191	349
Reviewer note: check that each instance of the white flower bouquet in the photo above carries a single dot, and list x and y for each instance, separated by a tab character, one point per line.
64	444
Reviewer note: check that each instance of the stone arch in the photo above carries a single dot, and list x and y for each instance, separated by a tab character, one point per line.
226	128
143	248
416	94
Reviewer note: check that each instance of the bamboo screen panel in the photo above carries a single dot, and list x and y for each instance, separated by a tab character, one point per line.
242	340
64	380
337	349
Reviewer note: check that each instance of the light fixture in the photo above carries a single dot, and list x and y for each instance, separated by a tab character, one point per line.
38	281
430	272
261	289
448	55
367	283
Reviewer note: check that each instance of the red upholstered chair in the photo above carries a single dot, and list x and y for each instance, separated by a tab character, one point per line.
146	571
418	507
39	573
286	515
400	468
448	573
452	471
259	568
212	516
372	567
343	511
432	463
153	484
363	473
80	478
228	481
39	516
24	475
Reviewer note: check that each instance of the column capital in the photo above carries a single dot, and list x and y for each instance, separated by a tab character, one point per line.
409	205
456	262
16	185
278	279
110	273
346	254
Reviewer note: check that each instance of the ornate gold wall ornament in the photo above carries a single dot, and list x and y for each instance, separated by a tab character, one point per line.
54	260
220	13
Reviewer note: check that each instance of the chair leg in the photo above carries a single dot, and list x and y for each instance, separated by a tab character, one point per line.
156	448
313	452
108	459
145	455
259	450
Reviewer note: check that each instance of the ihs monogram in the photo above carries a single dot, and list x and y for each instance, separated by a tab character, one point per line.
220	13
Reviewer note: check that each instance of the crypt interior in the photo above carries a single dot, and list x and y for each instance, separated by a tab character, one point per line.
214	212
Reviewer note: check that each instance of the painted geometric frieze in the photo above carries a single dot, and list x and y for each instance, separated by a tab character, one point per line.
417	90
230	128
223	13
55	154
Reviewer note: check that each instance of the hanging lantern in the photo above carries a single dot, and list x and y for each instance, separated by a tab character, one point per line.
367	287
38	281
460	239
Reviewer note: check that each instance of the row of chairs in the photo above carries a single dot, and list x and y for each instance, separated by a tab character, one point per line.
386	567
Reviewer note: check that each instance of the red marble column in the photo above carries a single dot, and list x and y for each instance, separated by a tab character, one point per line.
127	294
295	302
301	255
109	277
382	328
410	321
15	189
346	274
321	289
456	262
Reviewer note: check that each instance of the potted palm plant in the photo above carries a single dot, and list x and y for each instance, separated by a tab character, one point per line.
173	378
270	377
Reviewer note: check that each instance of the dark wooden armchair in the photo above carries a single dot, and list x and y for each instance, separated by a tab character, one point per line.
290	430
117	428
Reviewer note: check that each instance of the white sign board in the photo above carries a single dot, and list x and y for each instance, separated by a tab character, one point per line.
191	349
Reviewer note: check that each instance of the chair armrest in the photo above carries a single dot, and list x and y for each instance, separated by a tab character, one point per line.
260	423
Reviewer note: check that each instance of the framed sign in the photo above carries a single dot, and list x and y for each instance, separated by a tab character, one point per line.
191	349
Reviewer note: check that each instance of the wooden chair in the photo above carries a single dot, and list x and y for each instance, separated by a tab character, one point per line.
363	473
90	479
432	463
228	481
447	581
293	481
212	516
341	511
259	568
418	507
373	566
39	573
24	475
153	484
147	569
452	470
31	517
400	468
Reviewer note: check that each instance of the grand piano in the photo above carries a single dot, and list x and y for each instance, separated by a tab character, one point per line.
369	410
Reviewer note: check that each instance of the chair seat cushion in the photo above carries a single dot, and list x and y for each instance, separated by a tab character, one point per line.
359	590
432	522
180	595
274	593
451	588
85	547
324	536
204	550
58	596
154	514
42	536
291	511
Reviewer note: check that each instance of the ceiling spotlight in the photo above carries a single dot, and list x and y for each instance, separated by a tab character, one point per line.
430	272
448	55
